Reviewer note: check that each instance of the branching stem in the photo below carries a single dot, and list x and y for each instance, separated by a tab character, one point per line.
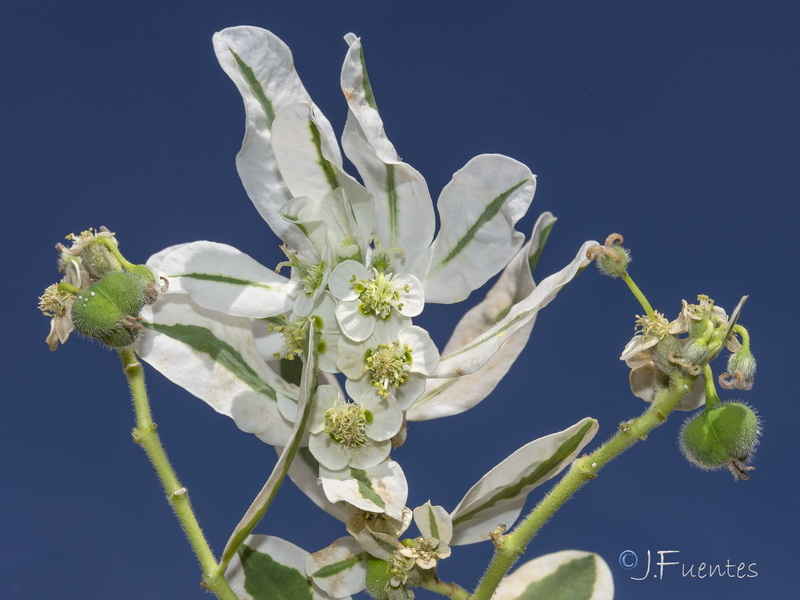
451	590
582	470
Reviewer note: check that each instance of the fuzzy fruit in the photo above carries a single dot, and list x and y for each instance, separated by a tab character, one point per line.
107	310
723	436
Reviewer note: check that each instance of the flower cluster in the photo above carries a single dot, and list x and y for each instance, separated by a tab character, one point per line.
100	294
689	343
363	261
326	363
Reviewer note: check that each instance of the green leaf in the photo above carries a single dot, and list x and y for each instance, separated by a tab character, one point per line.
571	581
337	568
255	88
434	522
365	487
565	575
473	355
498	498
403	209
267	579
204	341
269	568
221	278
262	68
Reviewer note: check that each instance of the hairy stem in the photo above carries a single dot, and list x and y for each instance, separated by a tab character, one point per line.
584	469
451	590
144	434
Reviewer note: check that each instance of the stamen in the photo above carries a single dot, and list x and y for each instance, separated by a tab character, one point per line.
346	424
388	366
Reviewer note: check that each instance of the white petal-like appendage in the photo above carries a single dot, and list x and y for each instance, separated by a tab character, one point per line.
451	396
354	325
474	355
262	68
214	357
498	498
221	278
387	419
328	453
339	570
478	210
342	277
404	215
381	489
424	354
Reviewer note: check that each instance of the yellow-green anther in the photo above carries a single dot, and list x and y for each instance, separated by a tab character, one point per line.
293	337
346	424
379	297
310	274
387	366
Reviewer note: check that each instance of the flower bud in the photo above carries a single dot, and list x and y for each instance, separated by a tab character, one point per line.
108	309
741	371
614	261
723	436
611	258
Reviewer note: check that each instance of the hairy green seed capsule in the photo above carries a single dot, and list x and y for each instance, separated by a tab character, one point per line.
107	310
378	575
723	436
379	581
614	262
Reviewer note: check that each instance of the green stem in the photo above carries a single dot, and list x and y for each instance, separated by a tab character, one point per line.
745	336
639	295
712	398
451	590
144	434
68	287
114	250
513	545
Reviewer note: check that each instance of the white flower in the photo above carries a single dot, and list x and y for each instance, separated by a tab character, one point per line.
333	227
282	336
656	350
57	304
371	301
436	529
360	520
348	434
396	369
423	552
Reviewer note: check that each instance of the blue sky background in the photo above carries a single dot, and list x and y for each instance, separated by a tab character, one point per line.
675	124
